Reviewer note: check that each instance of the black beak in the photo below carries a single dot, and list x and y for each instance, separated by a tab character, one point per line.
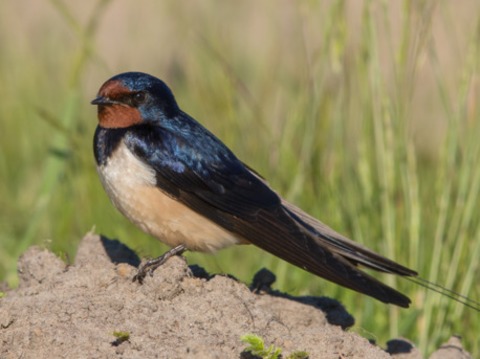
101	100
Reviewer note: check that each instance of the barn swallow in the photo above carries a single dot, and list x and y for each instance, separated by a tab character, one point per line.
179	183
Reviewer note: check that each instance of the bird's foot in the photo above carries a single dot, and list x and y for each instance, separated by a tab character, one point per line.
151	265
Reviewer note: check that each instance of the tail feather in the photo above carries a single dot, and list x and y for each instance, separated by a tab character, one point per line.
284	235
293	235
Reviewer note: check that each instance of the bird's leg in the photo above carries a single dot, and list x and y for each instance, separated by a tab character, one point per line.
153	264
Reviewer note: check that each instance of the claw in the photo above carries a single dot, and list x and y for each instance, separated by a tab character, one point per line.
150	266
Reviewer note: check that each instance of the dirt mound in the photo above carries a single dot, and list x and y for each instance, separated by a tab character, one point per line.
61	311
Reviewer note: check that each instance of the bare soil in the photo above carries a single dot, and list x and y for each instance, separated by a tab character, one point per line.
61	311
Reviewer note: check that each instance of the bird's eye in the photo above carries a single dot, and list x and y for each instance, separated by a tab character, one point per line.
139	98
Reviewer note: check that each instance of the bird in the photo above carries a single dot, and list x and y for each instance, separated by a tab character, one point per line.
179	183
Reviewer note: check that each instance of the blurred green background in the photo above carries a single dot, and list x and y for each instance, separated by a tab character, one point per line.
364	113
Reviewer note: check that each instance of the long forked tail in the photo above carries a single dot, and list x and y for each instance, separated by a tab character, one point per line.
357	254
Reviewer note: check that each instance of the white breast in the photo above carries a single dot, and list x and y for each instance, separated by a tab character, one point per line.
130	185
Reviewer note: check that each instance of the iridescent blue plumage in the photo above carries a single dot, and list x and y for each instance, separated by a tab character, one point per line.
194	168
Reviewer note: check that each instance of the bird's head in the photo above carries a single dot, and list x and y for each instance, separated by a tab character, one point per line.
133	98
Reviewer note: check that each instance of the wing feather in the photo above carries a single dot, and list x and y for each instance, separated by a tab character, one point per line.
217	185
